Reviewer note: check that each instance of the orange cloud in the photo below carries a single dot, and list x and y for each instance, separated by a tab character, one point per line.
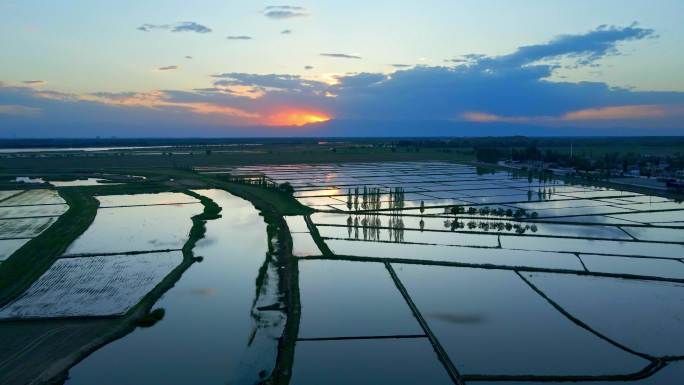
296	118
621	113
642	111
156	99
483	117
159	100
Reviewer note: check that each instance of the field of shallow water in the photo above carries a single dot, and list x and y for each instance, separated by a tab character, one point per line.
537	279
145	199
24	227
137	228
347	299
8	193
584	283
490	322
386	361
645	316
32	211
25	215
34	197
92	286
204	335
9	246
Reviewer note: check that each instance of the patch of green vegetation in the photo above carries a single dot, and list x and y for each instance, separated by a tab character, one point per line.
270	200
211	211
288	287
151	318
282	372
316	236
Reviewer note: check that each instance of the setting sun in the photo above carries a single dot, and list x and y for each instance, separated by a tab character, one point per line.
297	118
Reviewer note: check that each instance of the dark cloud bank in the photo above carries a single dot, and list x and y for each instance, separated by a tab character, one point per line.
475	95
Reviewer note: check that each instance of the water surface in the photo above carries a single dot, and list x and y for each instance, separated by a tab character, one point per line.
204	334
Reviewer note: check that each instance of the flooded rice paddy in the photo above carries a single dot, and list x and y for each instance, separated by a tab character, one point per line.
404	273
528	281
144	223
92	286
205	336
24	214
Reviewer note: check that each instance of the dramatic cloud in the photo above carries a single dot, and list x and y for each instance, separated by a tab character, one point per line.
167	68
239	37
639	111
341	55
27	112
513	90
362	80
308	67
289	83
585	48
182	26
401	65
284	11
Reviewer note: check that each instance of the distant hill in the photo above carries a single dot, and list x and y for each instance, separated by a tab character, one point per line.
445	128
332	128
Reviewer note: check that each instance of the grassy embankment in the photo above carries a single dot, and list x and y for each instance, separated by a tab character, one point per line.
268	201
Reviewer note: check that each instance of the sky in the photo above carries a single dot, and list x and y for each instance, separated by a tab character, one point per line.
84	68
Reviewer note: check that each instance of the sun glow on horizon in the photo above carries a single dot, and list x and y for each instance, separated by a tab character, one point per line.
297	118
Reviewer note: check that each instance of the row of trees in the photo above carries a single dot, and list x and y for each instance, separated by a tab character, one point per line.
519	228
369	227
487	211
370	198
261	181
582	160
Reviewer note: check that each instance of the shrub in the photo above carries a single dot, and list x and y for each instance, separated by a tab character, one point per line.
286	188
152	318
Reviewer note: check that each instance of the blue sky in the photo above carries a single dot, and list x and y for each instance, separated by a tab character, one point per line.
208	67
